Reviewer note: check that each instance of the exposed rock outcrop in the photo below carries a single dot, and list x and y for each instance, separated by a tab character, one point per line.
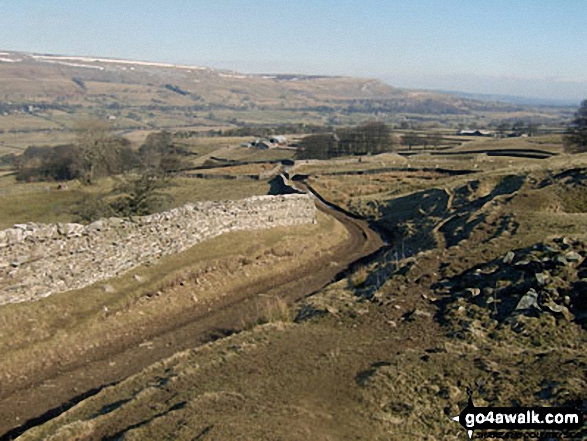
547	278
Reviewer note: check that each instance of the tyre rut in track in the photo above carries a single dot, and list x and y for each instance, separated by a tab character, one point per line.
61	388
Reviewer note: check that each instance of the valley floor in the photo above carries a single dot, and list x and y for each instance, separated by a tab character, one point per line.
483	288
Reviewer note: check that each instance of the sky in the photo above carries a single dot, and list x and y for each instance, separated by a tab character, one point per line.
533	48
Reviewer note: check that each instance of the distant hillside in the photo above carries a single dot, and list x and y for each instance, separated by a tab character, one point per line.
513	99
49	92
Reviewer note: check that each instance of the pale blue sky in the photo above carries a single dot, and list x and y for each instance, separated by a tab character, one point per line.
520	47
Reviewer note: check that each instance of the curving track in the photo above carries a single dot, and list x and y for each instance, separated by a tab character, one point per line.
22	409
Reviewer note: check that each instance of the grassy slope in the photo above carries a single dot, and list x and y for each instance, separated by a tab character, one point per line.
140	100
362	368
44	203
150	297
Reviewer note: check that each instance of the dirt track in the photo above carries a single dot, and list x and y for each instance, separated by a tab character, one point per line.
21	409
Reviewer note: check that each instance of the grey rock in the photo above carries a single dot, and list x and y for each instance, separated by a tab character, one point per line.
75	229
509	257
568	241
560	310
542	278
96	226
14	235
473	292
413	314
529	300
488	291
554	307
421	313
573	256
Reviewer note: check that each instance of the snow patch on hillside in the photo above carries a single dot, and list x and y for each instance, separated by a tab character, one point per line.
113	61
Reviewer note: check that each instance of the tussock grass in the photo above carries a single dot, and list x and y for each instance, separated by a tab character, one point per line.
275	310
358	278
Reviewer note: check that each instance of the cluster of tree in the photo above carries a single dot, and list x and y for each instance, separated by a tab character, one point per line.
160	155
134	195
141	187
575	138
58	163
517	128
413	139
142	175
256	131
98	153
367	138
8	160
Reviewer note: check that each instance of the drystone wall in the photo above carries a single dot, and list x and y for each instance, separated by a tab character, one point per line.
37	260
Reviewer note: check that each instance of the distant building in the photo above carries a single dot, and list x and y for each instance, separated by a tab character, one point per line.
268	143
278	140
264	144
517	135
474	133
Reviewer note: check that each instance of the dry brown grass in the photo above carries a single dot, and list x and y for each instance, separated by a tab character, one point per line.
549	142
239	170
368	370
254	154
62	327
358	278
43	203
275	310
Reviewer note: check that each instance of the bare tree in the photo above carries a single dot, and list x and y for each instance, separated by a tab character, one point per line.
319	146
368	138
98	150
139	195
377	137
502	129
533	128
575	139
435	139
161	155
411	139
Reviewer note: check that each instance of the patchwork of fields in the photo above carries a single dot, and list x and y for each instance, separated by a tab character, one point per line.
410	277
